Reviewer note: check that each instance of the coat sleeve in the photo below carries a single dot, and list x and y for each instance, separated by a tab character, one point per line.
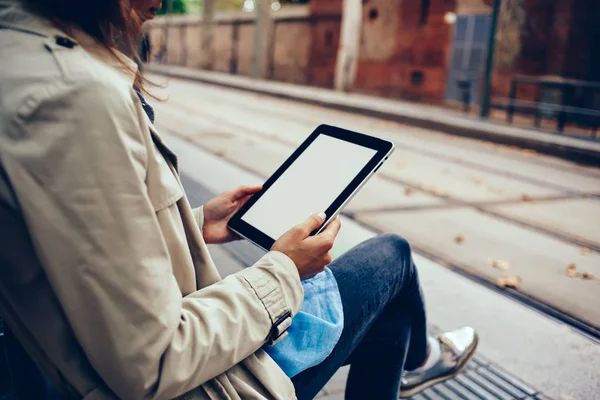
77	159
199	216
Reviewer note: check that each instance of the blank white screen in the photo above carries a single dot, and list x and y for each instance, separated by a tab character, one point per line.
309	186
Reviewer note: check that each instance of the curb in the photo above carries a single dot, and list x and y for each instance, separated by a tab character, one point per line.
579	150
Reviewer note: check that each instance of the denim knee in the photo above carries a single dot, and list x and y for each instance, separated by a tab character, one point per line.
403	267
398	243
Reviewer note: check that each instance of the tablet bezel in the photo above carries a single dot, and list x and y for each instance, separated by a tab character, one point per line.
383	147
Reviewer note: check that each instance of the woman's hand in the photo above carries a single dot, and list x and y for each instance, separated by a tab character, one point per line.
218	212
310	253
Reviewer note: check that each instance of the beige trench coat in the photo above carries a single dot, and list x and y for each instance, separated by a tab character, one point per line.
104	274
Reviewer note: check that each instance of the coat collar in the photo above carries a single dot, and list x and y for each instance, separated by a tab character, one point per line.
13	15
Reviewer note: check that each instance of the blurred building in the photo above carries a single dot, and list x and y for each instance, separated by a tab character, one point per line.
411	49
421	49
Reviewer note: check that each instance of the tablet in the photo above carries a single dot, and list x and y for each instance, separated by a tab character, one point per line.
322	175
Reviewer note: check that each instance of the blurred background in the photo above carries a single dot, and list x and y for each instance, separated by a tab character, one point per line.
544	71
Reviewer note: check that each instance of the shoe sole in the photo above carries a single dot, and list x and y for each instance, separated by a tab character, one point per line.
426	385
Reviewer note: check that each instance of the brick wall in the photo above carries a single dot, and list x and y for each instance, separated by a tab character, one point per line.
325	38
233	42
405	49
557	39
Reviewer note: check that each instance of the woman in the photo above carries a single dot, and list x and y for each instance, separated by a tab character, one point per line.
105	277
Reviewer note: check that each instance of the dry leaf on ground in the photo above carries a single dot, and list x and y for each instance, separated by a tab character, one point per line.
459	238
571	271
434	190
587	275
500	264
408	191
528	152
509	281
477	179
439	192
585	251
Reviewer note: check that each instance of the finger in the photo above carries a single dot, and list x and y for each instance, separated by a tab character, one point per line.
332	230
313	222
325	240
244	191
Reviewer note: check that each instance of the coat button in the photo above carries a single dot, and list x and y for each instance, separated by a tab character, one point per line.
65	42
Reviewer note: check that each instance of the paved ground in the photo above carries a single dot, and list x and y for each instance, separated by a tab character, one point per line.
547	354
467	203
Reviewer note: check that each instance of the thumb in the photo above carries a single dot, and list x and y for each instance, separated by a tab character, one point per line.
313	222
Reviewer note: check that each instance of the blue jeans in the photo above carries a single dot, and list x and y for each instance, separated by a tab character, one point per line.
385	328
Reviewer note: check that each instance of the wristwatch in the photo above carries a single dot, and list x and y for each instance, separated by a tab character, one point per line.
280	327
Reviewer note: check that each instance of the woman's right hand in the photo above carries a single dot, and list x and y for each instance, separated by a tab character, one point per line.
309	253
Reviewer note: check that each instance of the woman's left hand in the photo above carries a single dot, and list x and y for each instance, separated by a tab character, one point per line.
218	212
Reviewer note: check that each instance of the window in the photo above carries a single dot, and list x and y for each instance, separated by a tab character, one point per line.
417	78
425	5
373	13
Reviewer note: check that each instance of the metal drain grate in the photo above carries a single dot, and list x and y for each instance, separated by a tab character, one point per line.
480	381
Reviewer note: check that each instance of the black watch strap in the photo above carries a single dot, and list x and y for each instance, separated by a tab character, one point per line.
280	327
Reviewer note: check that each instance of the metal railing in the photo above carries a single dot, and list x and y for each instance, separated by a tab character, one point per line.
574	102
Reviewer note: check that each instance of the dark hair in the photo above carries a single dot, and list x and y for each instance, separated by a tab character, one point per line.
114	23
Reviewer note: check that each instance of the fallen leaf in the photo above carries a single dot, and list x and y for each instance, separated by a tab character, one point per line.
509	281
587	275
400	164
500	264
459	238
571	271
528	152
441	193
408	191
526	197
585	251
477	179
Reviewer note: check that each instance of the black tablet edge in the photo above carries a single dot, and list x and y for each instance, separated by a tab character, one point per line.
383	148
